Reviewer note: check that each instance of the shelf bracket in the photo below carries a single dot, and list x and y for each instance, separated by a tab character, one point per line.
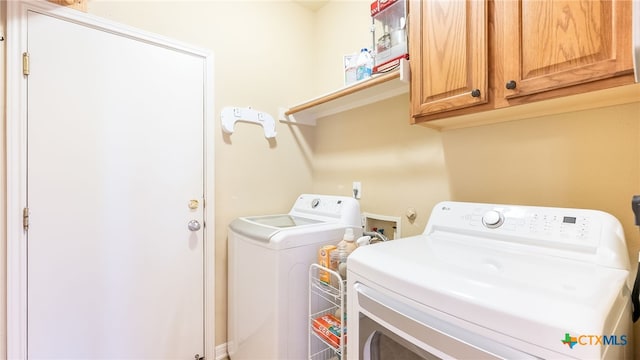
230	115
298	119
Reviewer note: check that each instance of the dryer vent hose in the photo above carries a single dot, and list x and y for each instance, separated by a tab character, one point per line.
635	294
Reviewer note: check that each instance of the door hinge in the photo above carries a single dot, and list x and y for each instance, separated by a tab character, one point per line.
25	63
25	218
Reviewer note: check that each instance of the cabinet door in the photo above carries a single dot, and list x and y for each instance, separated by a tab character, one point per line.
558	43
448	49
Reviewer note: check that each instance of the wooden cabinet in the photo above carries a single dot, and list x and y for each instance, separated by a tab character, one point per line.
554	44
524	51
449	70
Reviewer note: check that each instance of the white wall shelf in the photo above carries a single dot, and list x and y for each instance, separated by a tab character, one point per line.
361	93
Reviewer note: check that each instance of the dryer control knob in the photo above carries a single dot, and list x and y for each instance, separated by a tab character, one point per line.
492	219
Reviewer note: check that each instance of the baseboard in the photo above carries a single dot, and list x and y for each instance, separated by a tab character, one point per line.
221	352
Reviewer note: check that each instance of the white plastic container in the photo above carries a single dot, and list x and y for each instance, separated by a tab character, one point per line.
364	65
345	247
350	64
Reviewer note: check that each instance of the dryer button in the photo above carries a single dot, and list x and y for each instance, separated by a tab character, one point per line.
492	219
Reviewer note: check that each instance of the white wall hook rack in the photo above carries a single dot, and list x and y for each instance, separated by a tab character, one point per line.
230	115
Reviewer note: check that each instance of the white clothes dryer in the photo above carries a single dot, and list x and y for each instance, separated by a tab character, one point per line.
487	281
269	259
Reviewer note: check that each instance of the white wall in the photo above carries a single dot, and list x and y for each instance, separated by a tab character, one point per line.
400	166
341	28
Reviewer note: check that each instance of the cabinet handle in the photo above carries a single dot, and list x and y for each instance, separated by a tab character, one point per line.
511	85
475	92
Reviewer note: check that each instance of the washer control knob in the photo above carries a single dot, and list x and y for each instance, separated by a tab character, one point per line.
492	219
315	203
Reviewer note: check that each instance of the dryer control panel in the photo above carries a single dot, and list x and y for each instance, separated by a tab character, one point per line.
581	234
563	226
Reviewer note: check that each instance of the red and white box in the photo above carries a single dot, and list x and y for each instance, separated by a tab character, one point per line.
329	328
390	32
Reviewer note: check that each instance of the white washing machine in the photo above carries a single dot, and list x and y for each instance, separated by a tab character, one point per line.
269	259
488	281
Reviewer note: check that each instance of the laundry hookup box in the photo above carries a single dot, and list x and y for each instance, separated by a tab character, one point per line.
390	33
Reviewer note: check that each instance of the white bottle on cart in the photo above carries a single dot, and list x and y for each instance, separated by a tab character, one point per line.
364	65
345	247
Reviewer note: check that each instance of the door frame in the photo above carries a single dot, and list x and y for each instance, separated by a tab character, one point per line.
16	163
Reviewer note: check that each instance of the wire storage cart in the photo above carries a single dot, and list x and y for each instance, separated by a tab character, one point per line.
327	314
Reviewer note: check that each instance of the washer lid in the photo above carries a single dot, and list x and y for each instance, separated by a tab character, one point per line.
262	228
281	221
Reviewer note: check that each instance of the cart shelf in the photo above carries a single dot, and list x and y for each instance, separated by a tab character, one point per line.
327	306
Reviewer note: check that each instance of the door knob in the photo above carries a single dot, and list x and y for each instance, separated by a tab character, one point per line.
194	225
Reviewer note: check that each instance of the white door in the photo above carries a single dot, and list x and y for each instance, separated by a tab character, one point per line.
115	155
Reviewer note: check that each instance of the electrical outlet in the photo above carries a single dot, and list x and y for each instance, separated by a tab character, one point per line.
357	189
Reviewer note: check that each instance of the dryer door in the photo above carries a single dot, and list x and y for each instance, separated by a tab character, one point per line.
378	343
389	328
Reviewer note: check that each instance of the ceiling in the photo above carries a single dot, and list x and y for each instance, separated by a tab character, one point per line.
312	5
